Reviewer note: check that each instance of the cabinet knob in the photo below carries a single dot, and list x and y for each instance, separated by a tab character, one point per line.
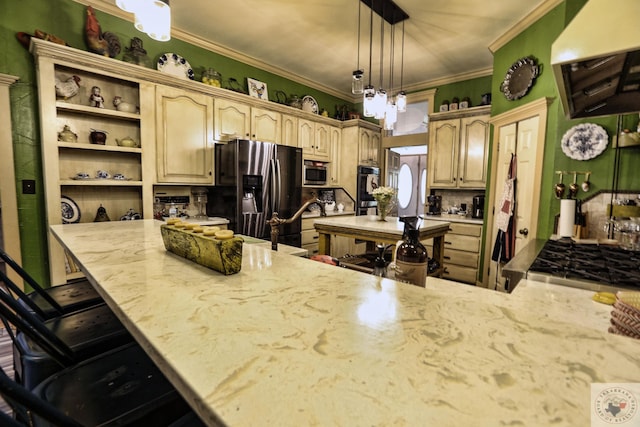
523	231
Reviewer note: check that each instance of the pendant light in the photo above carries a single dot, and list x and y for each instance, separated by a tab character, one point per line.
369	91
380	100
401	98
357	82
391	110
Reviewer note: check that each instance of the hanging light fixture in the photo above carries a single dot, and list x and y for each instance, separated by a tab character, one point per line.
369	91
152	17
381	104
357	82
391	110
401	98
380	100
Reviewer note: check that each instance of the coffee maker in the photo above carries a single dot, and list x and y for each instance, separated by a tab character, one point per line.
434	205
478	207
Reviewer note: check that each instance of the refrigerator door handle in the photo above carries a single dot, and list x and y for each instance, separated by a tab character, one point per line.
279	184
273	189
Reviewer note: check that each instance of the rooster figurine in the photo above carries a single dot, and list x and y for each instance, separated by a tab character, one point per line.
68	88
107	43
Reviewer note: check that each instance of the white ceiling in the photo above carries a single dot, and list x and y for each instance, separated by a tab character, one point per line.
316	40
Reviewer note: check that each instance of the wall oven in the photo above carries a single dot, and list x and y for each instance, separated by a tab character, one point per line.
368	180
315	173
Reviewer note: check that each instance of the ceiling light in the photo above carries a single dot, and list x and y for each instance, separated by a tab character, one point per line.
152	17
401	98
357	84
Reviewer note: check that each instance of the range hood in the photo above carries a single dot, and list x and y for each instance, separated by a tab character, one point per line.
596	60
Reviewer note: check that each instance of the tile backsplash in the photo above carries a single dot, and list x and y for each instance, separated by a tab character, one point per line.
596	209
456	198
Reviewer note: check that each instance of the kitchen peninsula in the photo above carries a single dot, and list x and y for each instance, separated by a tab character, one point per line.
289	341
371	229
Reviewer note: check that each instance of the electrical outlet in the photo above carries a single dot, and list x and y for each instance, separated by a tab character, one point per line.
28	186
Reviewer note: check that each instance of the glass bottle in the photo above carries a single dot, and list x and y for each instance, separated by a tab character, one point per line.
412	260
380	265
212	78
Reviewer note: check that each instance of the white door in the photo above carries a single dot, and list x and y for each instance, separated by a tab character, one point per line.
522	139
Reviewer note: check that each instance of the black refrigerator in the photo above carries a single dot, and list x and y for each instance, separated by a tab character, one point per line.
253	180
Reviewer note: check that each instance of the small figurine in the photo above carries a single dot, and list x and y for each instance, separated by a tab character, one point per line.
107	43
68	88
96	99
123	106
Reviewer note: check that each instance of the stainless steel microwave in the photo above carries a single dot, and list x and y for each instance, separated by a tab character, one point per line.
315	173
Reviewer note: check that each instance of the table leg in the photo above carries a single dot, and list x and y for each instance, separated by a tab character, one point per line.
324	244
438	252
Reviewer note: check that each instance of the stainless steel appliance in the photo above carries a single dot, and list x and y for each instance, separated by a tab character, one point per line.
253	180
477	207
579	265
368	180
314	173
434	205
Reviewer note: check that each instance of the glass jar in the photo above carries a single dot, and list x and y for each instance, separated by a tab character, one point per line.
212	78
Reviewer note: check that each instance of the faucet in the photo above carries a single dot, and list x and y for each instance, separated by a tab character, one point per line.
276	221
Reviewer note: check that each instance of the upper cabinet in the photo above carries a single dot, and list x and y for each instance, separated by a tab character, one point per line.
335	136
369	147
184	136
459	148
313	138
237	120
289	134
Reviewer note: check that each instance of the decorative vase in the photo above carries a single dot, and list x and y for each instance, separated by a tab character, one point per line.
383	208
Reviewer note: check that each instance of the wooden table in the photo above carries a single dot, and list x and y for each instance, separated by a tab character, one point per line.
369	228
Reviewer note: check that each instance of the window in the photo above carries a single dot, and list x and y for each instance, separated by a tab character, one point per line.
414	120
405	186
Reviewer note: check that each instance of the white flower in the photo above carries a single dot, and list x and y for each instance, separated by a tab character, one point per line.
383	194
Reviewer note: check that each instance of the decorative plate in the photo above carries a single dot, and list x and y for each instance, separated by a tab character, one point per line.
70	211
309	104
176	65
584	141
519	78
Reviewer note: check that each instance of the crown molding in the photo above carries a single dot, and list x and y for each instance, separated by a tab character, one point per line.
524	23
8	80
110	8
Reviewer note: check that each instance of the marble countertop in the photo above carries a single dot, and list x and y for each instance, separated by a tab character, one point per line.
329	214
289	342
371	223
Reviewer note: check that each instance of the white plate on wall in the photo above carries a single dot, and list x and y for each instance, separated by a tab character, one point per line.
584	141
70	211
175	65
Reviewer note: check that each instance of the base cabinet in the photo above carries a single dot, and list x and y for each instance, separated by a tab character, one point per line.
461	253
309	236
184	136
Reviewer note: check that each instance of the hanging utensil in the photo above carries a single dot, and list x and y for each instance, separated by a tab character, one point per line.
559	188
573	188
586	184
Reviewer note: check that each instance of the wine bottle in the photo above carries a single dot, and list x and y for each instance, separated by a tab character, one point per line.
411	260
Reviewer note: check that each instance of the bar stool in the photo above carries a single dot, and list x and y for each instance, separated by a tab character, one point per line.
41	348
122	387
54	301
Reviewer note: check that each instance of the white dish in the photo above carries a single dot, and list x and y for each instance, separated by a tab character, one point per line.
175	65
70	211
584	141
309	104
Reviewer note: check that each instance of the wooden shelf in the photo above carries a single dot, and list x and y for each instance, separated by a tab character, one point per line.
94	111
101	183
97	147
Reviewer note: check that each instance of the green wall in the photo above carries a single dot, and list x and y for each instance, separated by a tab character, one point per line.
65	19
473	89
536	41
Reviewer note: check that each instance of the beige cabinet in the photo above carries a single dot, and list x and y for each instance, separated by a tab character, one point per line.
340	245
461	253
184	136
289	132
237	120
265	125
335	135
314	139
459	149
356	134
64	158
369	147
309	236
231	119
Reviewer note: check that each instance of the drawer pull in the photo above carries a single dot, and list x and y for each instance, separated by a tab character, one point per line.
316	237
447	257
447	243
